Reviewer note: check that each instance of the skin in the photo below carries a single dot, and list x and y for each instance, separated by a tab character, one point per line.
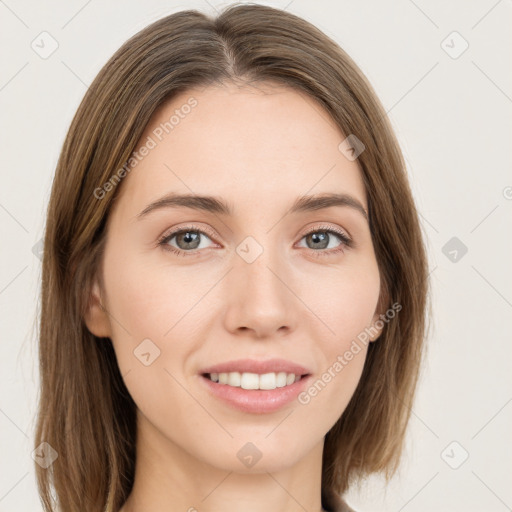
259	148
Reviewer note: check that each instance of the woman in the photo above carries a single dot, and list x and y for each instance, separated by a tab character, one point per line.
234	277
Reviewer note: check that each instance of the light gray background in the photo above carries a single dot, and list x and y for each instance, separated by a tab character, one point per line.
453	120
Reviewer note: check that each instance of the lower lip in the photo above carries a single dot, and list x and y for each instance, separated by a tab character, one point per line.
256	401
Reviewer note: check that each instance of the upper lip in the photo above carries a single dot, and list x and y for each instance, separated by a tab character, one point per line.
255	366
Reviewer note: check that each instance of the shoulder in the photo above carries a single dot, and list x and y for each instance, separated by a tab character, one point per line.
333	502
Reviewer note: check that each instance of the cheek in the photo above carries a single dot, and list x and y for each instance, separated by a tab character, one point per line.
347	313
148	315
344	302
344	306
330	391
146	299
154	310
140	310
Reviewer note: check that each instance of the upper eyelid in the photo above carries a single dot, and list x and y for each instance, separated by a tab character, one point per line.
325	227
174	232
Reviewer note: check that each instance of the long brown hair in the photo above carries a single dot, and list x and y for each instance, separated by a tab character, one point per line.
85	411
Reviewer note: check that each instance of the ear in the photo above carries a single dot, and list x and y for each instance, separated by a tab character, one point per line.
377	323
374	329
96	316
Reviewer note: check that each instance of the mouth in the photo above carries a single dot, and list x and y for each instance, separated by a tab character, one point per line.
254	385
255	381
255	393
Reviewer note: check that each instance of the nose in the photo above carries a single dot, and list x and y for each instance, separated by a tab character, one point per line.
261	298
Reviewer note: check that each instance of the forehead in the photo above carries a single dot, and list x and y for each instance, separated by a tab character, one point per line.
256	145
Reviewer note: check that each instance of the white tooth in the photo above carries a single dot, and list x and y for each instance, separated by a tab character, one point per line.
234	379
250	381
281	380
268	381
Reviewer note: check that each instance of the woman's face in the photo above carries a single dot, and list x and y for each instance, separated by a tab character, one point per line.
258	279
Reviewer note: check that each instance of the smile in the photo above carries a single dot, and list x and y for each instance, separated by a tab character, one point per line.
253	380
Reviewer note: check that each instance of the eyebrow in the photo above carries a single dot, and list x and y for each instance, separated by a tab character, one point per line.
217	205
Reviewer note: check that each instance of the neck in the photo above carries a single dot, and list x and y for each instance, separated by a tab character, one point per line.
168	477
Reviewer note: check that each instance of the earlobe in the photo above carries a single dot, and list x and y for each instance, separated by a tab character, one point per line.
375	330
376	327
375	336
377	322
96	317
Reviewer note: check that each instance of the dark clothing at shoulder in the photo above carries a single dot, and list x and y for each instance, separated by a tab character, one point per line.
333	502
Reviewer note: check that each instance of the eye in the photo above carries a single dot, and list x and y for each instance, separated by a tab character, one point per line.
187	240
323	238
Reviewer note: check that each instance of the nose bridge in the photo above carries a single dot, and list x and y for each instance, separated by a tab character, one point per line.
257	263
260	300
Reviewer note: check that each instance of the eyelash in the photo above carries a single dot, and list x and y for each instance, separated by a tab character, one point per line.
345	241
